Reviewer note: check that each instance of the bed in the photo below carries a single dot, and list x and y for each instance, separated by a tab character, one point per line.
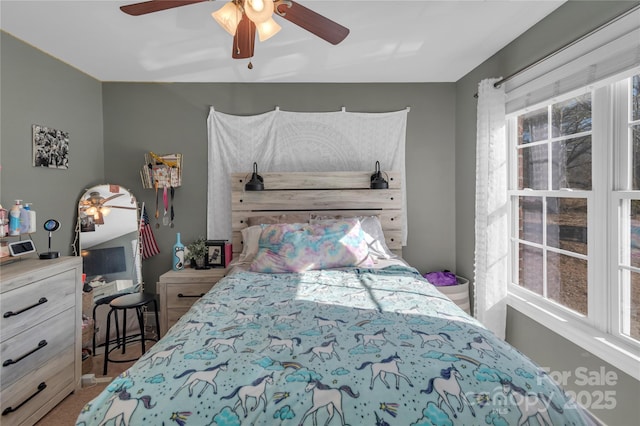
363	341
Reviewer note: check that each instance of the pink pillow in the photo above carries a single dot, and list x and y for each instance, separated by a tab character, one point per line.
301	247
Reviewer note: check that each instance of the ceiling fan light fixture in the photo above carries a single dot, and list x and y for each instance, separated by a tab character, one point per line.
268	29
105	210
256	15
228	16
91	211
98	218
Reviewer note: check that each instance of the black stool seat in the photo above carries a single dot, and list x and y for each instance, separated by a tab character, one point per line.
132	300
129	301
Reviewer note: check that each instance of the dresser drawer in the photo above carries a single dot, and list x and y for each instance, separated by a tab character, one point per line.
45	386
185	295
36	346
25	306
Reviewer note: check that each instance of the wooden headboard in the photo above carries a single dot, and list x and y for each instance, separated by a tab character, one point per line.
340	193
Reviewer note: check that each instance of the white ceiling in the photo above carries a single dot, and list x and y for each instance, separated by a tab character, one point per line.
390	41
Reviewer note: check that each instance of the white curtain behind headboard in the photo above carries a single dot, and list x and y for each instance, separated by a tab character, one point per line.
283	141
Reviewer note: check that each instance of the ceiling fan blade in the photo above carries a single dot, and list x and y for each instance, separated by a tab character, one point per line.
311	21
122	207
245	39
137	9
102	202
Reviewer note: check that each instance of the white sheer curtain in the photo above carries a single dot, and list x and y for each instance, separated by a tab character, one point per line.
492	226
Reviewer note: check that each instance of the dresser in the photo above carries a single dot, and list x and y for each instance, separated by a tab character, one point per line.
178	290
40	341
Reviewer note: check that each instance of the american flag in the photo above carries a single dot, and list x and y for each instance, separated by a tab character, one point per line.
149	245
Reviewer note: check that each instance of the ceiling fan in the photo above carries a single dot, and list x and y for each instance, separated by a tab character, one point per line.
96	202
241	18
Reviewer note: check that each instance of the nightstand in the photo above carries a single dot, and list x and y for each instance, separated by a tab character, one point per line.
178	290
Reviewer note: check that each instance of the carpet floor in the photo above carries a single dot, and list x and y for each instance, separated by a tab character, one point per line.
66	412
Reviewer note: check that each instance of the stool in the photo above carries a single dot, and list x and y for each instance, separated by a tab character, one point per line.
130	301
102	301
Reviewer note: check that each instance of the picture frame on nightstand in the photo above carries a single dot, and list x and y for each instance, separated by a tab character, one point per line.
215	253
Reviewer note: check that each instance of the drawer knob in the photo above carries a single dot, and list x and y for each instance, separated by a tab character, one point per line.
11	313
42	386
41	345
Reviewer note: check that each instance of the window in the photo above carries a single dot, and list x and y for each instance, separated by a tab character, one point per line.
575	212
627	198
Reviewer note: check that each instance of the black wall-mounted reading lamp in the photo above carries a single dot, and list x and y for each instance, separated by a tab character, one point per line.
256	183
377	181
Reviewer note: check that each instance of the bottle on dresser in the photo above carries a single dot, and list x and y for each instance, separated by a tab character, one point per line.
32	217
25	219
14	218
4	222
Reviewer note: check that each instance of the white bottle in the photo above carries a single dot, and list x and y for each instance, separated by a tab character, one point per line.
4	222
14	218
25	216
32	217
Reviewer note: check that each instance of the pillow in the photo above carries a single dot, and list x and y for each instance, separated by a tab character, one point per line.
250	240
299	247
374	235
282	218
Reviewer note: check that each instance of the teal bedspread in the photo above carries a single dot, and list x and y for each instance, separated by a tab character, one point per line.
335	347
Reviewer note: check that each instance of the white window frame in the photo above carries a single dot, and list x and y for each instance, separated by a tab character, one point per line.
597	331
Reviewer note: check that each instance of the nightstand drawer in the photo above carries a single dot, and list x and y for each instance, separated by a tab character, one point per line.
185	295
37	346
25	306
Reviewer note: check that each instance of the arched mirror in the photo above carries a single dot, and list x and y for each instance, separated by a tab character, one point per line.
108	239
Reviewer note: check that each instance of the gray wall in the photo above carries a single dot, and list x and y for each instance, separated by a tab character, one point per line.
37	89
567	23
167	118
134	118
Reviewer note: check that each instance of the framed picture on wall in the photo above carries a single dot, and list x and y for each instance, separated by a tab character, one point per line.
215	253
87	223
50	147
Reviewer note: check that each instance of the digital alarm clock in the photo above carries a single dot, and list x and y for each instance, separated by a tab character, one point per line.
19	248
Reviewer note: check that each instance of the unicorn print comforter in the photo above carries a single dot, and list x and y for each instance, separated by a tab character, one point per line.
333	347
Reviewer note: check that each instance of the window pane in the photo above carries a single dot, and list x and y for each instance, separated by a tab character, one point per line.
634	238
572	163
532	166
635	144
567	224
567	281
530	211
630	301
572	116
531	268
635	97
533	126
